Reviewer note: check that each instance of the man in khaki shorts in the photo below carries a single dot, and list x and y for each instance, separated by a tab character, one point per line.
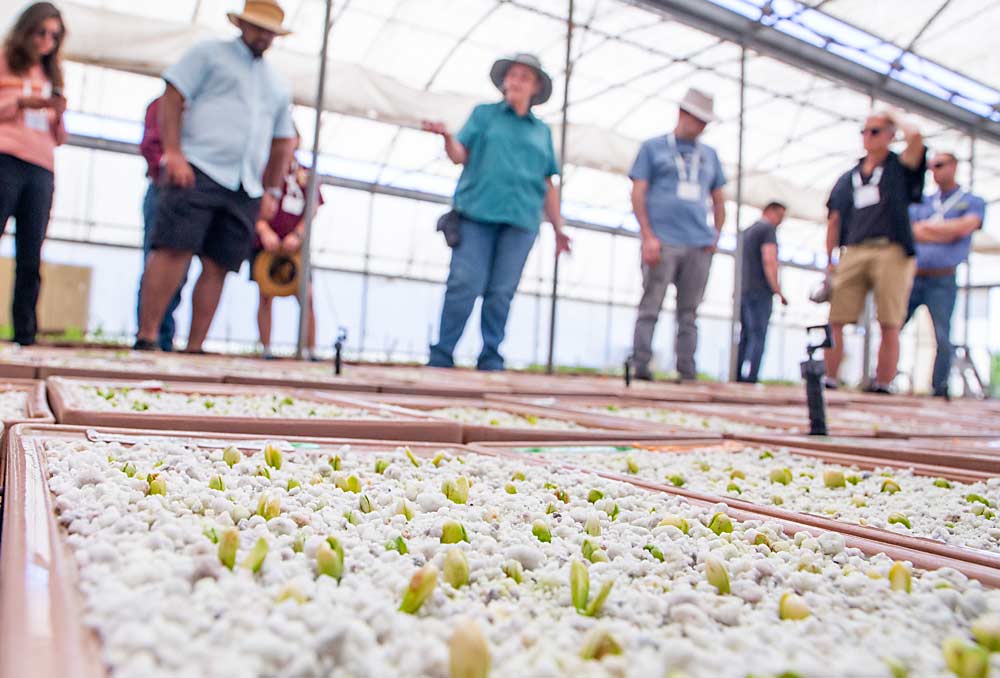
869	222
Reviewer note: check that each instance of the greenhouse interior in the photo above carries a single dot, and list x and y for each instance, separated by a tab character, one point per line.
619	429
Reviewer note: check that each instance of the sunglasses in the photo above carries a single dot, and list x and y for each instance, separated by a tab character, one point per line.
873	131
939	165
46	33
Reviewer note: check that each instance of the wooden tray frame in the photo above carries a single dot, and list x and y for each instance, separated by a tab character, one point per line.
600	427
41	629
579	404
985	566
407	425
904	449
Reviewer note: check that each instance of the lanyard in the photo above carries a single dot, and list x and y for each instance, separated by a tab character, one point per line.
682	168
940	209
875	179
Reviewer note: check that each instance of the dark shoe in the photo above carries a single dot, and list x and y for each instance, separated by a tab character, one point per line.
145	345
942	393
642	374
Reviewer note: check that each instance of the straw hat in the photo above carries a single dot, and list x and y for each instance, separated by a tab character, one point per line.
266	14
500	68
277	273
699	104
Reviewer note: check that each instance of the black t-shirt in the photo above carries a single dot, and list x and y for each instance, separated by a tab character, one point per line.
873	221
899	187
754	238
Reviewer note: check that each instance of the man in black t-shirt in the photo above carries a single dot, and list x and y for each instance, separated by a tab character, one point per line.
869	223
760	284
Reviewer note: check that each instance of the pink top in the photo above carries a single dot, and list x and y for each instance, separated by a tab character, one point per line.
30	135
151	146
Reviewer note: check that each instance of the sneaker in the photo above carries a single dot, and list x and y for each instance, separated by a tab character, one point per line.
830	384
145	345
880	389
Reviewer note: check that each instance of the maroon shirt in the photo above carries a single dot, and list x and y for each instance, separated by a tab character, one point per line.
292	206
151	146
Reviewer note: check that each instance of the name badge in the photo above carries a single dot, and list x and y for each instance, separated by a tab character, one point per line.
689	191
866	196
37	118
293	204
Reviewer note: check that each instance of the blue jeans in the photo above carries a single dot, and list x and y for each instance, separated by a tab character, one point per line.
488	264
938	294
755	315
167	326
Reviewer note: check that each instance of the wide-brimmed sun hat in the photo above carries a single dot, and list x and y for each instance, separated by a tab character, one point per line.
699	104
277	273
266	14
500	68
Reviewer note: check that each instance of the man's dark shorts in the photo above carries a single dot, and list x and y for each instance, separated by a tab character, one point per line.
208	220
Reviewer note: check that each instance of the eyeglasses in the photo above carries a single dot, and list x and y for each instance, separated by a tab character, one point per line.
939	165
46	33
873	131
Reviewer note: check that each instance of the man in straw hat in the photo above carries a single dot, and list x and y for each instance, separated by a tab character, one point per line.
505	187
236	127
673	178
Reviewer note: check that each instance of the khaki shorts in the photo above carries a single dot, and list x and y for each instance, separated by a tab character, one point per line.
883	268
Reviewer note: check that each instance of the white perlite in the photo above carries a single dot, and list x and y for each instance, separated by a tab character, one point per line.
13	405
962	514
680	419
153	401
163	605
482	416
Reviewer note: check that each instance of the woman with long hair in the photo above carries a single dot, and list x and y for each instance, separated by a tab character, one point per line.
31	111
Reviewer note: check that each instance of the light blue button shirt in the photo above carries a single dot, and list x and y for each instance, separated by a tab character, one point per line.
675	221
234	106
946	254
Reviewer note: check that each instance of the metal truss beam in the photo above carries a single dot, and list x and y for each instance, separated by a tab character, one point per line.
741	30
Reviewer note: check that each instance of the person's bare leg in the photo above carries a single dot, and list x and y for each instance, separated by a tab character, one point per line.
264	321
888	356
204	301
834	356
165	268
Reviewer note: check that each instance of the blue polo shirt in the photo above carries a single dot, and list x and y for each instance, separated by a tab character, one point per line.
675	221
946	255
510	157
234	106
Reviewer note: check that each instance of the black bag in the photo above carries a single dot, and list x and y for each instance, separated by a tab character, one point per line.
449	225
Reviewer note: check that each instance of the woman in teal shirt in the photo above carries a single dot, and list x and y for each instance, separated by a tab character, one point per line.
506	185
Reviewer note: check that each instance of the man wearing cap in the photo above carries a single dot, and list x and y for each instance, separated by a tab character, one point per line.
505	186
868	222
673	178
225	121
943	225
